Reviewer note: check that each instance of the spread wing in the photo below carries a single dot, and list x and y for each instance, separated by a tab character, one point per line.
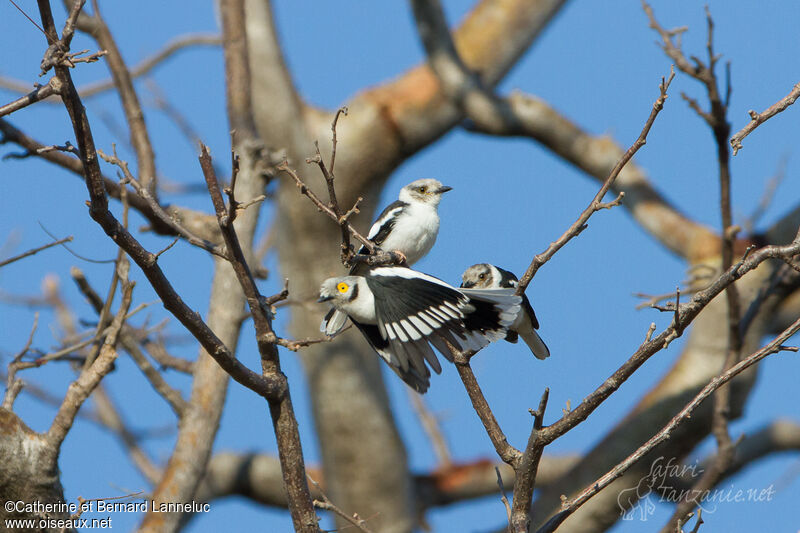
410	370
415	310
412	306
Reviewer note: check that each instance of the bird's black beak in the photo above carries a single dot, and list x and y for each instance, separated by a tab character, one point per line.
324	299
444	188
467	284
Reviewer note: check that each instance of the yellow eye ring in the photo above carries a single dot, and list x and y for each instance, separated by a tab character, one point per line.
342	287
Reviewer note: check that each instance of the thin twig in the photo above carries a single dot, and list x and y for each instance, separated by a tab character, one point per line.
81	388
284	423
572	504
38	94
756	119
99	211
14	385
596	204
156	208
504	498
35	251
376	256
432	428
327	505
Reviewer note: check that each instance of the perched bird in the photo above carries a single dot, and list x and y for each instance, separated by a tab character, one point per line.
486	276
408	225
401	312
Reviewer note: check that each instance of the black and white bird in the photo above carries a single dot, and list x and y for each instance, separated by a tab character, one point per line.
408	225
486	276
401	312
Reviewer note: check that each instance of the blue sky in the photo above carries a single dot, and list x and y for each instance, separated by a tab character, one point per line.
597	63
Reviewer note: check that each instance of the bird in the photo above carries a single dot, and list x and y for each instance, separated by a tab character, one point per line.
409	225
401	312
487	276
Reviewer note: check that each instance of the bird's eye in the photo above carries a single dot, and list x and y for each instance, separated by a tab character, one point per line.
342	287
481	276
423	189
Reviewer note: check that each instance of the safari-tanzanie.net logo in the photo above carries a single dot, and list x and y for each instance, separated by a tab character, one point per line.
672	482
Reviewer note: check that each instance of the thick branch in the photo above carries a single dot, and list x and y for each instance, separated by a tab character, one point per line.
286	432
258	478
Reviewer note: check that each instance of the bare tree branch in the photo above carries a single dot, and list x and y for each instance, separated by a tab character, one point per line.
14	385
91	376
283	419
200	224
505	451
38	94
144	259
597	203
258	478
526	471
775	346
96	26
328	505
759	118
155	208
131	345
35	251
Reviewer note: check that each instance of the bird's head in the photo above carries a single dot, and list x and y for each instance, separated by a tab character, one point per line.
480	276
339	290
426	190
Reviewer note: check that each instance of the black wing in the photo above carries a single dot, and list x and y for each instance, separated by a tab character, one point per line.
414	307
415	310
380	229
416	378
383	224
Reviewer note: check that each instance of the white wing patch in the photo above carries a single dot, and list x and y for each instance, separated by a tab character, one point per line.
421	326
376	227
407	273
410	330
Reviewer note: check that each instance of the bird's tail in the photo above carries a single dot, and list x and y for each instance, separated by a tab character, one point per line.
533	340
333	322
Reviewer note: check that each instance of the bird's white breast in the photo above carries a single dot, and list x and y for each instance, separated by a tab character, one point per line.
415	232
